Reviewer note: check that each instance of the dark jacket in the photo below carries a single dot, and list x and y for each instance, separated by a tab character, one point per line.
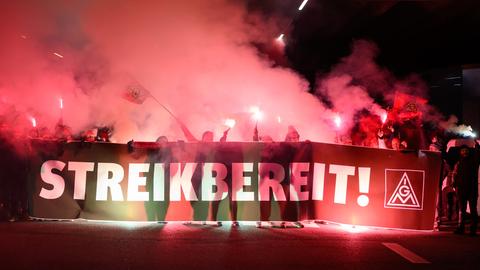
466	174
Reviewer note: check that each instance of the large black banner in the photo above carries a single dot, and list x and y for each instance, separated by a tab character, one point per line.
234	181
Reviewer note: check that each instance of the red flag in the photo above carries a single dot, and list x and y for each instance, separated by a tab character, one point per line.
136	93
407	106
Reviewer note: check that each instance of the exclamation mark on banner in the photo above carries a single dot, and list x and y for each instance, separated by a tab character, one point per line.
363	185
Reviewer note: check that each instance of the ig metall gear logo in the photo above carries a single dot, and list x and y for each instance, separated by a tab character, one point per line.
404	189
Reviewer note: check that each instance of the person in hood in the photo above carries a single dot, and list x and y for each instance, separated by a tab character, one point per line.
466	184
292	135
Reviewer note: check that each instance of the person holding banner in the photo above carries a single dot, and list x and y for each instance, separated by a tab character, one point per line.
466	184
267	155
276	153
232	203
157	210
200	208
294	136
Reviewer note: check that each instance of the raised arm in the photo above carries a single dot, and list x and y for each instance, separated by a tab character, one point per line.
224	137
188	135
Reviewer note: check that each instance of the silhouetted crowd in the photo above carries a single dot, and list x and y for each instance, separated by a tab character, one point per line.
458	185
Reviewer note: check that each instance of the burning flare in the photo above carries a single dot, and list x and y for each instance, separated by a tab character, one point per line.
338	121
257	114
230	122
384	116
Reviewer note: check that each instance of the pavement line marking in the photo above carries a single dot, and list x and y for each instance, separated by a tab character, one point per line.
405	253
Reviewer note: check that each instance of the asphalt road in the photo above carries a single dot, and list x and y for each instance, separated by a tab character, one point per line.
96	245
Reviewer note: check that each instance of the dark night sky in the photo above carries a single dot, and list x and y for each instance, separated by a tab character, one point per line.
413	36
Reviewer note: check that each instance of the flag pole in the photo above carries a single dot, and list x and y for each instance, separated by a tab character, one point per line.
163	106
148	94
182	125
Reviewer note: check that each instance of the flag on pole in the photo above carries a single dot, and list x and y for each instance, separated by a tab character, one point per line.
408	106
136	93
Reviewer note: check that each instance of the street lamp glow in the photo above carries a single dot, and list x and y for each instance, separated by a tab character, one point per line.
34	122
61	103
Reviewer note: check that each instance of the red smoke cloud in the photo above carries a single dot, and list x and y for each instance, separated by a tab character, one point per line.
194	56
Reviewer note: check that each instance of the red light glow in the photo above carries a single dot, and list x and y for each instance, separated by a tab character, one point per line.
257	114
230	122
338	121
353	228
384	117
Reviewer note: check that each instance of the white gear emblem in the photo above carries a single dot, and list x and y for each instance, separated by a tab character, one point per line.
404	195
